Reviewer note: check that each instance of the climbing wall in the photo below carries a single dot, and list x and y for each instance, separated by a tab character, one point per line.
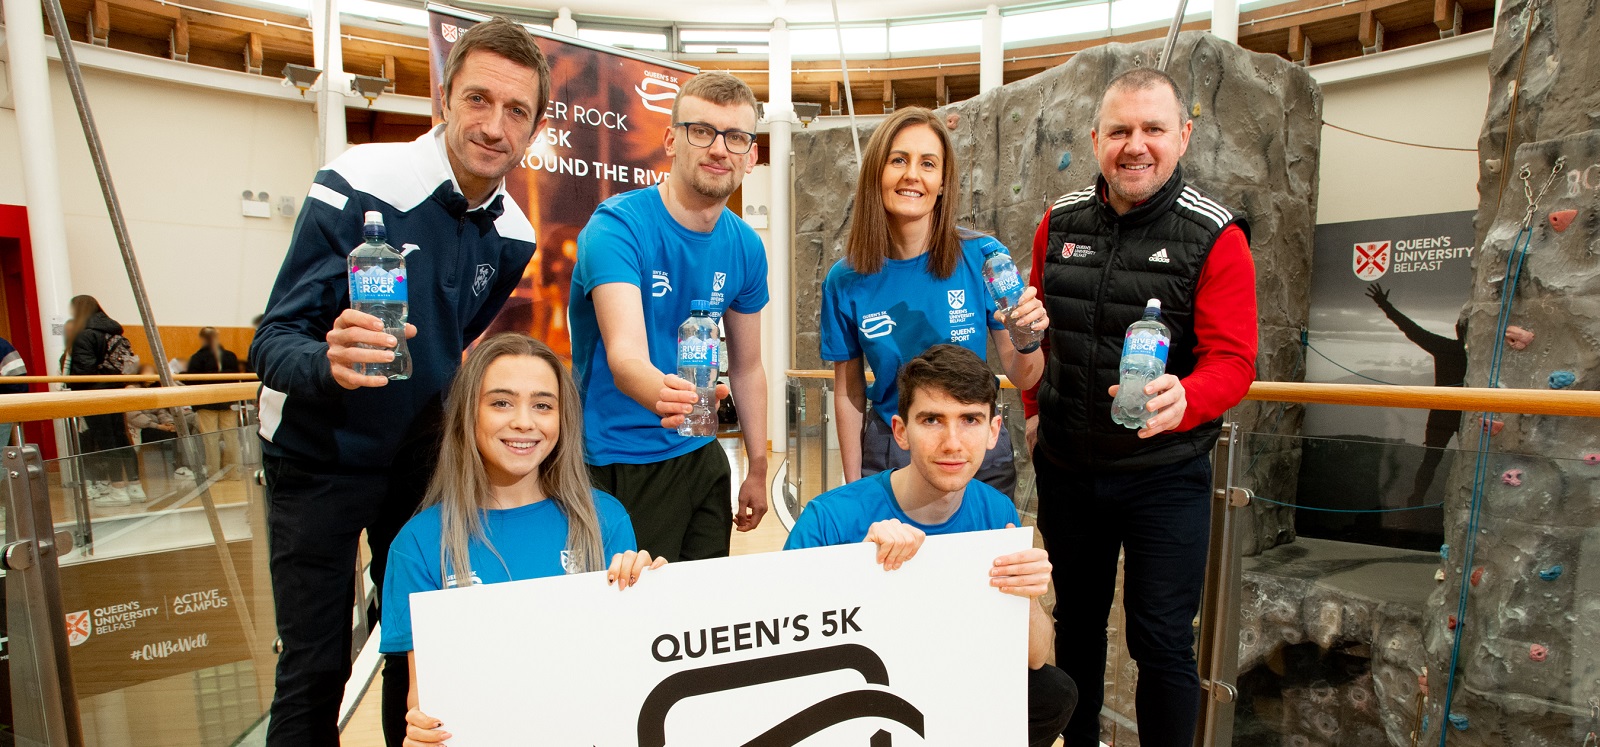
1255	148
1524	529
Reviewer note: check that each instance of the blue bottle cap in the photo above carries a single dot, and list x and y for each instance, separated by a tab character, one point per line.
699	306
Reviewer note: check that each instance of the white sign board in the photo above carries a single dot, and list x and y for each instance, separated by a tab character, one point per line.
807	647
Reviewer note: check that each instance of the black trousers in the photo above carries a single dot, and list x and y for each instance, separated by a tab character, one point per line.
1052	696
108	434
682	508
1160	520
315	517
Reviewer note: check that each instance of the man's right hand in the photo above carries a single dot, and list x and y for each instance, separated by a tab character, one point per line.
1031	433
897	542
677	399
351	330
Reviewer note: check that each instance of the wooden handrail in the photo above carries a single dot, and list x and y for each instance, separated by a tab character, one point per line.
124	378
19	408
1509	401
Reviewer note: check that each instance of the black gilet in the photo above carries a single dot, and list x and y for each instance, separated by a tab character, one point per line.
1099	270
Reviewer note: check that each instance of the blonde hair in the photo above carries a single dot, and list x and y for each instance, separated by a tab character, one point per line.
869	241
717	87
460	484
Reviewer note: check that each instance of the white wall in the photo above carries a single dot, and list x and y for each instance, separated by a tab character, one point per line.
1439	104
180	156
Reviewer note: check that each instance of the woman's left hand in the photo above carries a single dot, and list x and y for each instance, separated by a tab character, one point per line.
1029	311
626	567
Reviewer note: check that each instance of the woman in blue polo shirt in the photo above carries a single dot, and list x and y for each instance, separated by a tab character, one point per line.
911	279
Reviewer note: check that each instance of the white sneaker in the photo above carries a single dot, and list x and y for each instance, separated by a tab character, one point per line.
95	489
183	472
113	496
136	493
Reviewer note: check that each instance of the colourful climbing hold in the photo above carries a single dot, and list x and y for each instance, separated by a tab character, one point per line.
1552	573
1537	652
1560	219
1518	338
1450	622
1477	575
1512	477
1494	425
1459	721
1439	575
1066	160
1562	379
1591	459
1444	552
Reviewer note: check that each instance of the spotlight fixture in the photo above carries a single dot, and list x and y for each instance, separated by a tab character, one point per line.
806	112
368	87
300	77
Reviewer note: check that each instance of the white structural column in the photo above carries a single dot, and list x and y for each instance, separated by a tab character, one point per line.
564	24
328	50
780	238
991	54
1225	20
47	227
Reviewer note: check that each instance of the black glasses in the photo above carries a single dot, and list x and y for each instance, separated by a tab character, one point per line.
702	135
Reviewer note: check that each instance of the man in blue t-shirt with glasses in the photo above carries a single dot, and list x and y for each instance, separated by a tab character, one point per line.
642	259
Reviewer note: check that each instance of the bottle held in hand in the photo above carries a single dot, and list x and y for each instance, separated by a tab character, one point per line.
1005	285
378	287
1144	359
698	349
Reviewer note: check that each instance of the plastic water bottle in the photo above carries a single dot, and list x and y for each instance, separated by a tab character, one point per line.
1000	277
378	287
1144	358
698	363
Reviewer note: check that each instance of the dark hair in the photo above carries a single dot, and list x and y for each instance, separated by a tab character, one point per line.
718	88
869	243
952	369
84	307
1143	79
508	39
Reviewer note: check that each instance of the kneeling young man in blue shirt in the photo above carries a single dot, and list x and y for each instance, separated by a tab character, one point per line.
947	422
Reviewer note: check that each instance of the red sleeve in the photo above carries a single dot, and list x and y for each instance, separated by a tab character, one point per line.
1041	243
1225	330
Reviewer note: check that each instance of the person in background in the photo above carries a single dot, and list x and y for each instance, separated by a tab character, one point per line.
155	430
96	347
910	279
10	365
222	450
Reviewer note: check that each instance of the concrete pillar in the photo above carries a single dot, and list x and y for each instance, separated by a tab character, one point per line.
780	316
1225	20
47	228
564	24
991	69
328	51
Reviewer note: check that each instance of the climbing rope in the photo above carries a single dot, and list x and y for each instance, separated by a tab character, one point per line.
1508	292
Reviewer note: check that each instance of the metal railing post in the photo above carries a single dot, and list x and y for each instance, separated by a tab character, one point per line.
1219	611
44	702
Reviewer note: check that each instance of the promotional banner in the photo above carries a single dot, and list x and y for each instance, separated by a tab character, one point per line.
806	647
1387	300
608	112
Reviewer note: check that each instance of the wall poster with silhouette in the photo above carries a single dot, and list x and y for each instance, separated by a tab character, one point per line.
608	111
805	647
1387	308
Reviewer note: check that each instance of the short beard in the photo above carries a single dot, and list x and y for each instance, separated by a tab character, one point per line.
712	191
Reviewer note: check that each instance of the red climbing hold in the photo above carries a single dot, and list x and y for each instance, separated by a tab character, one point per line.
1518	338
1560	219
1451	623
1512	477
1591	459
1477	575
1537	652
1494	425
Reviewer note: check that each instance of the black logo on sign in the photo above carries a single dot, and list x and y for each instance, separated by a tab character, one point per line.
801	726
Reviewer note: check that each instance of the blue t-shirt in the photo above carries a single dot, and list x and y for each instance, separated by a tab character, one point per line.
531	539
631	238
894	314
843	515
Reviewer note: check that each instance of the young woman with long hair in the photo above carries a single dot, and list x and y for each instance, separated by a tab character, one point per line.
911	279
510	499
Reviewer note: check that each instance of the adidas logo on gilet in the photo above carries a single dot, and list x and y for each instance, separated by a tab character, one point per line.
1160	256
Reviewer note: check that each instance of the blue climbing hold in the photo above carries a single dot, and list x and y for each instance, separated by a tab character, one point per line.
1066	160
1562	379
1444	552
1459	720
1552	573
1425	723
